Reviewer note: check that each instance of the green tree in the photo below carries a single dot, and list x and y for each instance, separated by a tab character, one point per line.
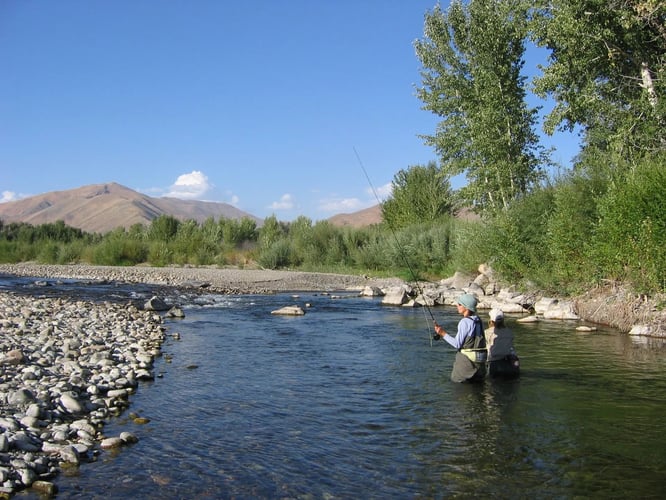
235	232
605	73
420	194
472	56
271	231
164	228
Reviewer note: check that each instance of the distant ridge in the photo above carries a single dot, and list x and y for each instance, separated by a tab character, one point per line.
100	208
362	218
373	215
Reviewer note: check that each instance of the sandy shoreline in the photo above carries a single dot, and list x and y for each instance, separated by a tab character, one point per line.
226	280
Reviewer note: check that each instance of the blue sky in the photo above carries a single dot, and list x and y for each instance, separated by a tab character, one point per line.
258	104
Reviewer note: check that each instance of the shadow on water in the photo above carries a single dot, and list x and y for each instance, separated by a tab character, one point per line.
351	400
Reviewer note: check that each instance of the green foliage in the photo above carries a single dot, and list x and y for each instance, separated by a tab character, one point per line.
472	56
277	255
517	239
159	254
163	228
118	251
420	194
630	236
235	232
11	253
471	245
569	227
271	231
608	80
327	245
420	249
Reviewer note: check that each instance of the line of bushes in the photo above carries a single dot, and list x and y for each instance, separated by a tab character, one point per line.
573	233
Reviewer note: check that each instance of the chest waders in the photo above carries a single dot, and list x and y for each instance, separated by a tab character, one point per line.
475	347
466	368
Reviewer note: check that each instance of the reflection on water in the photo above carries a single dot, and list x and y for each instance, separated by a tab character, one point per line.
351	400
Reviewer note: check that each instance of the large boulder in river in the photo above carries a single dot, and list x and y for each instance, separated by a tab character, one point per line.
155	304
551	308
395	296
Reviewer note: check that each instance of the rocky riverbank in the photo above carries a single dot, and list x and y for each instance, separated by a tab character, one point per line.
66	367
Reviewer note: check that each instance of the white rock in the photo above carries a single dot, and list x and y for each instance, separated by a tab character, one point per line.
584	328
70	403
128	437
371	291
528	319
640	330
289	311
396	296
111	442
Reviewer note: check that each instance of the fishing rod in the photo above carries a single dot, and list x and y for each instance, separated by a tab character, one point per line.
401	252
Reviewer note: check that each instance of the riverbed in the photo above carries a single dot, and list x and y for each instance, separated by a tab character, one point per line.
354	400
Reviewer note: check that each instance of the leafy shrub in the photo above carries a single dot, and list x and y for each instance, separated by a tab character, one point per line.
115	251
517	240
278	255
630	236
569	231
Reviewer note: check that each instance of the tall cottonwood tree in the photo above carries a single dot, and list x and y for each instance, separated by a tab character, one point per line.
472	56
607	71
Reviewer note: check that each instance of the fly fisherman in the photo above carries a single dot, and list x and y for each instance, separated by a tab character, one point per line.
470	362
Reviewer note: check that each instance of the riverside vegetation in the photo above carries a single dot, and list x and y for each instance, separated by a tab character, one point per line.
527	246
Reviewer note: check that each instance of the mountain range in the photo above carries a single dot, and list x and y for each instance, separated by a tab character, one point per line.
100	208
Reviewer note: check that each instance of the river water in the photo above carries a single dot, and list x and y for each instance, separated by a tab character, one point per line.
353	400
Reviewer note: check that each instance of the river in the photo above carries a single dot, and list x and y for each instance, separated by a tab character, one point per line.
353	400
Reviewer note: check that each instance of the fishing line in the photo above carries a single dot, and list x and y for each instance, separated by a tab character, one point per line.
401	252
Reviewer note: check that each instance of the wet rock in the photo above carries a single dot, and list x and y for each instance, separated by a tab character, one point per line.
289	311
155	304
111	442
175	312
128	437
45	488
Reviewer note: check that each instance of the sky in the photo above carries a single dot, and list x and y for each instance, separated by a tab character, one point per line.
278	107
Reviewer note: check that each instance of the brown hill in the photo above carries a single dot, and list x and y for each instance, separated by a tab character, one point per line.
100	208
373	215
362	218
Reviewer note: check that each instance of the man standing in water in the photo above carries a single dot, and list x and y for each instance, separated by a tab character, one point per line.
503	361
470	362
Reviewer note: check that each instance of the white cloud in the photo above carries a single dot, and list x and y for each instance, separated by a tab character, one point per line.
382	192
341	205
286	203
190	186
8	196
